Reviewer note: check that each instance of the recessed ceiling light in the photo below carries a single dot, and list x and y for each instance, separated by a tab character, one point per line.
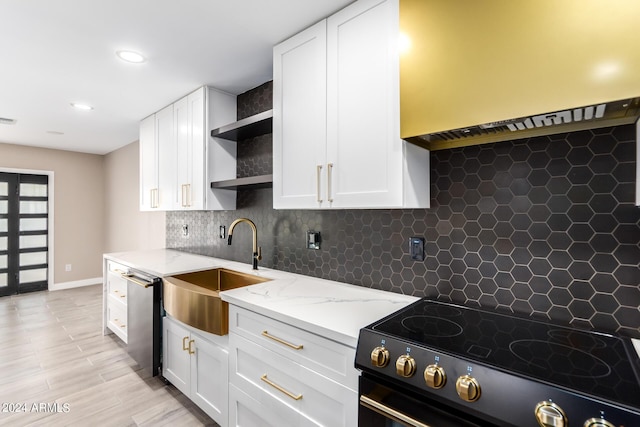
130	56
84	107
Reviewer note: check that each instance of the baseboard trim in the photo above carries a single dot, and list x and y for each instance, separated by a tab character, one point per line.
75	284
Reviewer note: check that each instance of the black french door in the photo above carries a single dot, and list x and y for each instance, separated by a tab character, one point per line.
24	225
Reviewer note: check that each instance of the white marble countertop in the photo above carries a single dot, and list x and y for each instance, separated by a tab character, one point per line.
331	309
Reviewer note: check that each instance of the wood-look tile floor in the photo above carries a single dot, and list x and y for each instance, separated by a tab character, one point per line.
57	369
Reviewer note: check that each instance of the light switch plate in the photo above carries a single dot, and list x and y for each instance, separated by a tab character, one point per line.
416	248
313	239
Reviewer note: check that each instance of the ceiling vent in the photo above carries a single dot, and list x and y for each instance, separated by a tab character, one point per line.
5	121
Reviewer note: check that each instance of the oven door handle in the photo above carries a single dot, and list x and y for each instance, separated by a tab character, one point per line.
391	413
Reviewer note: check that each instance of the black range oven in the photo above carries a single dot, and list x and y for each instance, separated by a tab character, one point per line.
443	365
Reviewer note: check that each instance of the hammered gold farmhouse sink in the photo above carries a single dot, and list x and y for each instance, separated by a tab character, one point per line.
194	298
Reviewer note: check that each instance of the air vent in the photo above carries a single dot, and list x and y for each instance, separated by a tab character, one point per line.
5	121
561	117
601	115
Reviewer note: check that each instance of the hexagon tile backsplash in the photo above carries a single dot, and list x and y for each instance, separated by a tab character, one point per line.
545	227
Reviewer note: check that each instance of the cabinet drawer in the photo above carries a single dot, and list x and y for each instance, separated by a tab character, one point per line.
264	374
329	358
117	317
114	267
245	411
117	287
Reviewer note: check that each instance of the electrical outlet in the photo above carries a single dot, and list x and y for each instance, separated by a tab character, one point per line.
223	232
67	267
185	230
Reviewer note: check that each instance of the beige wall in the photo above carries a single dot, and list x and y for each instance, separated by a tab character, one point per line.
78	206
95	207
126	228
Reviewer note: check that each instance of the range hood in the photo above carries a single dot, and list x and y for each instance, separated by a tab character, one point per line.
589	117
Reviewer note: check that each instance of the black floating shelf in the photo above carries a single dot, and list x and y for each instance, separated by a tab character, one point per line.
259	181
249	127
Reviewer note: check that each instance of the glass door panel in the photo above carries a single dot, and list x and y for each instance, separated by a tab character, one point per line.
33	190
26	242
32	207
33	258
24	252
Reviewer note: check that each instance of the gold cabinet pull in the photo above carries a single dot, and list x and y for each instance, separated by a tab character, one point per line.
154	198
191	351
318	178
329	172
280	389
281	341
186	195
184	343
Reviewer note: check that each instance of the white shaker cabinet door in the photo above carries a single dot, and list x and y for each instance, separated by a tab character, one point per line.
299	120
167	152
364	149
210	379
183	152
148	163
176	362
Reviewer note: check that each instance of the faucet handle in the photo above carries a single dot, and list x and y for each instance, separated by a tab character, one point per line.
259	257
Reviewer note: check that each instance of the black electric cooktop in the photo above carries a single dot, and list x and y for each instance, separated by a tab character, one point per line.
591	363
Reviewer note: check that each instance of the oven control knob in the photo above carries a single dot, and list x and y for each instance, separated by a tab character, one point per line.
468	388
380	357
598	422
434	376
549	414
405	366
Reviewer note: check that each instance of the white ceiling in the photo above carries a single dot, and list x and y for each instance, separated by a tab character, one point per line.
55	52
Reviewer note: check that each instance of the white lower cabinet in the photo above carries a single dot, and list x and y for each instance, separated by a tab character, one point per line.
115	300
196	363
282	375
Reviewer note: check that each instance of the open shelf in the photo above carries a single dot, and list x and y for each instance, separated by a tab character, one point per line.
259	181
258	124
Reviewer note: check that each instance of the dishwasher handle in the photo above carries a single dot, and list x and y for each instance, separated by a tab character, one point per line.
138	281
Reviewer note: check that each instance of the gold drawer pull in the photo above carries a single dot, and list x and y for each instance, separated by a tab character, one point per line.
190	350
281	341
184	343
277	387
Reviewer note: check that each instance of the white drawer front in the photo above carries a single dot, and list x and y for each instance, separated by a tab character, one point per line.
259	372
245	411
117	317
329	358
114	267
117	287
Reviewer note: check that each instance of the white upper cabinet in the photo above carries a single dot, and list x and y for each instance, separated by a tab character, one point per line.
336	133
189	115
157	157
167	150
299	119
148	164
178	157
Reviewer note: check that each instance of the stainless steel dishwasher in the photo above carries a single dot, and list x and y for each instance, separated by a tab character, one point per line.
143	316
